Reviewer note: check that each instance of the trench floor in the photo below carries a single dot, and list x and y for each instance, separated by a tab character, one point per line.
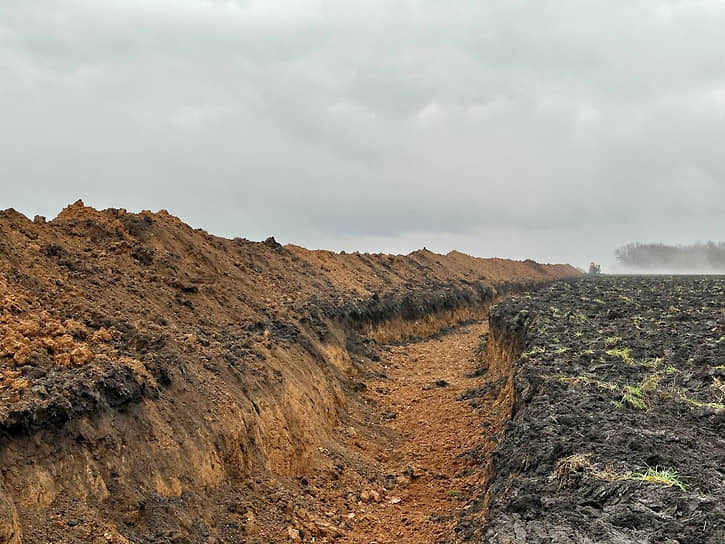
436	476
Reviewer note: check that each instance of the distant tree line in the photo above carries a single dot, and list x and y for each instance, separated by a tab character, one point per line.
706	257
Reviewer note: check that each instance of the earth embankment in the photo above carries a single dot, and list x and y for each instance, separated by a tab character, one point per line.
160	384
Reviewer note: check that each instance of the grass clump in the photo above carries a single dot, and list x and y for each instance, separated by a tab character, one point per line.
718	385
566	468
636	396
633	396
575	379
651	362
612	340
650	383
623	353
537	350
586	380
660	476
699	404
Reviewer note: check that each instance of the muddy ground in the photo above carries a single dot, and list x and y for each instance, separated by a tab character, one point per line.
618	429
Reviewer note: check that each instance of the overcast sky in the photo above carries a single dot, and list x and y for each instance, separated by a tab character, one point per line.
556	130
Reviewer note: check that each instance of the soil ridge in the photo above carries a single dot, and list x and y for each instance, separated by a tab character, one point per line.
155	377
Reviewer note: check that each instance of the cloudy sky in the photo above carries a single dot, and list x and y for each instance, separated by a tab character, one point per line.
556	130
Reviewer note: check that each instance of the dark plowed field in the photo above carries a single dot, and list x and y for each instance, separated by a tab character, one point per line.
618	433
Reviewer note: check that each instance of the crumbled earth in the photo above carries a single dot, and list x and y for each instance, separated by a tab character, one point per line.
426	463
160	384
618	426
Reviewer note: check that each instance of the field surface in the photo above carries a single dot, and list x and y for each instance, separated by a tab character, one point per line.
618	428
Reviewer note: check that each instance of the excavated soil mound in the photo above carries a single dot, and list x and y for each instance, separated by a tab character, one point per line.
159	384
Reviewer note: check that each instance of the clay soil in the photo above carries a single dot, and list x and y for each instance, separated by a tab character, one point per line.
426	459
160	384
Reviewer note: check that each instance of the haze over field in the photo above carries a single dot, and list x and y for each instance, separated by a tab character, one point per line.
552	131
661	258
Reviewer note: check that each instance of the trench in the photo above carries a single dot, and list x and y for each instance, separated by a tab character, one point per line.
443	403
408	461
189	389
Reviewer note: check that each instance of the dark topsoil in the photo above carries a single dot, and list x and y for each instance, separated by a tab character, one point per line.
616	376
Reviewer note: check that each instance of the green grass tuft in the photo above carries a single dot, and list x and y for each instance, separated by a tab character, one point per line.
661	476
612	340
699	404
651	362
537	350
623	353
634	398
650	383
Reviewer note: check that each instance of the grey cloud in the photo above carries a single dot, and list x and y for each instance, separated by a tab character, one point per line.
565	128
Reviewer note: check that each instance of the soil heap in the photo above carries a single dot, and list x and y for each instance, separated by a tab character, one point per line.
160	384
